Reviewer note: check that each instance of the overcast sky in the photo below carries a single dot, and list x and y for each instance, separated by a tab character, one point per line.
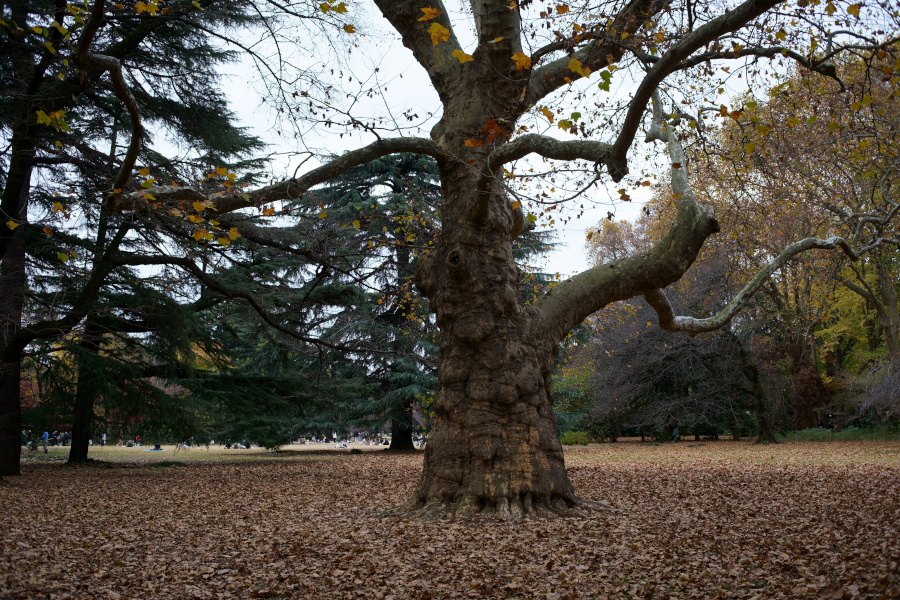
408	88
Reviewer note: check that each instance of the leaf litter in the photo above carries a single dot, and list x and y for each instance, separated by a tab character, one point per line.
721	520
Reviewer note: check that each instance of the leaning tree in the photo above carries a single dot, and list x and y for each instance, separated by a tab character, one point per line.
494	446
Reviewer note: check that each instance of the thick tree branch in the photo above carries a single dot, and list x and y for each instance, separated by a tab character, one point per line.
284	190
436	59
600	52
552	148
569	303
668	321
671	61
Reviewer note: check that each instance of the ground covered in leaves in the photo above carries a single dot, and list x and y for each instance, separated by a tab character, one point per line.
712	519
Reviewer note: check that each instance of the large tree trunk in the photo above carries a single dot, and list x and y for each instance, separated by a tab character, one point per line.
494	447
85	392
12	286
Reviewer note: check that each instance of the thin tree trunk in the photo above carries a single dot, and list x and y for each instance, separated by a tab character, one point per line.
85	392
892	314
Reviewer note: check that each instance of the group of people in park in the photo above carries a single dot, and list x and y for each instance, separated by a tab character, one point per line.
45	439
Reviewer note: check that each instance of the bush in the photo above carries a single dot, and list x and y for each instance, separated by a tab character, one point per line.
848	434
573	438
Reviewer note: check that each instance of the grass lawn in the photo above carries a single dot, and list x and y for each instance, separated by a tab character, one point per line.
695	519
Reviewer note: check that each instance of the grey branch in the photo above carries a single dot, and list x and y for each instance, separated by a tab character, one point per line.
670	322
285	190
673	60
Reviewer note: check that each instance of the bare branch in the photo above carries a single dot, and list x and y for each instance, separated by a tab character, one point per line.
596	54
671	61
284	190
668	321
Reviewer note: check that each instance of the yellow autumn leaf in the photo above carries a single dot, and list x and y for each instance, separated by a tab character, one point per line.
145	172
12	224
349	28
233	233
749	147
340	9
198	206
224	241
140	7
50	47
515	205
198	235
522	61
439	33
430	13
268	211
462	56
562	8
48	231
322	215
576	67
195	219
221	171
62	256
474	143
854	10
547	113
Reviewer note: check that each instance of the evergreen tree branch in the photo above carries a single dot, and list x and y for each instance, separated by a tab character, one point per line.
215	285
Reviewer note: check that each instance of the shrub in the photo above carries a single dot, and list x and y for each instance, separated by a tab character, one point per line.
848	434
572	438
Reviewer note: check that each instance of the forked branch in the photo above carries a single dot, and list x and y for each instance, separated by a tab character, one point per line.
670	322
569	303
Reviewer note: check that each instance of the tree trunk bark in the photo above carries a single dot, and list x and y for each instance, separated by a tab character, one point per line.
401	433
892	318
494	448
12	285
85	392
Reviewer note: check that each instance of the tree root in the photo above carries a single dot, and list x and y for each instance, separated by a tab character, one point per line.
504	509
